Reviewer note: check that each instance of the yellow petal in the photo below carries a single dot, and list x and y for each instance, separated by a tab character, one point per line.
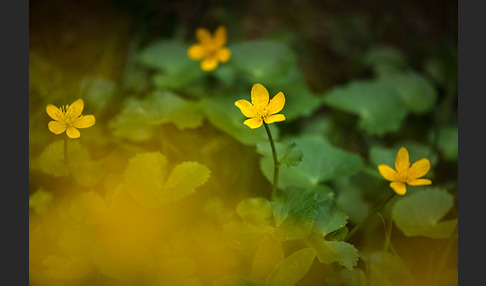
402	162
246	108
73	133
203	35
220	36
399	188
276	103
223	55
419	168
259	96
274	118
76	108
53	112
253	122
419	182
196	52
84	121
387	172
56	127
209	64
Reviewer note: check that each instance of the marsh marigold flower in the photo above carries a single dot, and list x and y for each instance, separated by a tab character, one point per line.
210	50
68	118
405	174
261	109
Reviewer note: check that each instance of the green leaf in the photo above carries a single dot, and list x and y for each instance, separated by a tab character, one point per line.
160	107
169	58
255	211
419	213
367	99
333	251
295	211
288	153
98	92
268	255
384	268
300	100
414	90
350	199
221	111
290	270
149	182
234	280
329	217
40	201
385	59
321	162
448	140
262	61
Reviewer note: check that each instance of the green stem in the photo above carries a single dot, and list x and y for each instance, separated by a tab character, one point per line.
65	151
375	210
276	164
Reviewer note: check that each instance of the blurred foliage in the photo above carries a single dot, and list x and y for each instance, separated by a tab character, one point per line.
169	187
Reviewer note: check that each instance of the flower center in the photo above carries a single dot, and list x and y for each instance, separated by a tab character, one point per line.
403	176
262	113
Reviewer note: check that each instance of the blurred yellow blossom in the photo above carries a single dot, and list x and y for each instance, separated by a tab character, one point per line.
405	174
68	118
260	109
210	49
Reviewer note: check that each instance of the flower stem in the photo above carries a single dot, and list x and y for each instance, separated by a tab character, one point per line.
65	150
276	164
375	210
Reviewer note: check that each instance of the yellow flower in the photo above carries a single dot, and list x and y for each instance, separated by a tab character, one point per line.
68	118
210	49
260	109
405	173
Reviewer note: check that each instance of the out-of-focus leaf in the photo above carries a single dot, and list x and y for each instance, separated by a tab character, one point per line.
420	212
221	111
138	116
351	200
385	268
40	201
97	92
414	90
295	211
447	142
234	280
149	182
321	162
290	270
268	255
288	153
255	211
385	59
379	107
263	61
333	251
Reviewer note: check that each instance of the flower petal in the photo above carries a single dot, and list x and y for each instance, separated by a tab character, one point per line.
203	35
209	64
387	172
402	161
274	118
220	36
73	133
56	127
196	52
253	122
419	168
259	96
276	103
419	182
76	108
246	108
223	55
399	188
84	121
53	112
